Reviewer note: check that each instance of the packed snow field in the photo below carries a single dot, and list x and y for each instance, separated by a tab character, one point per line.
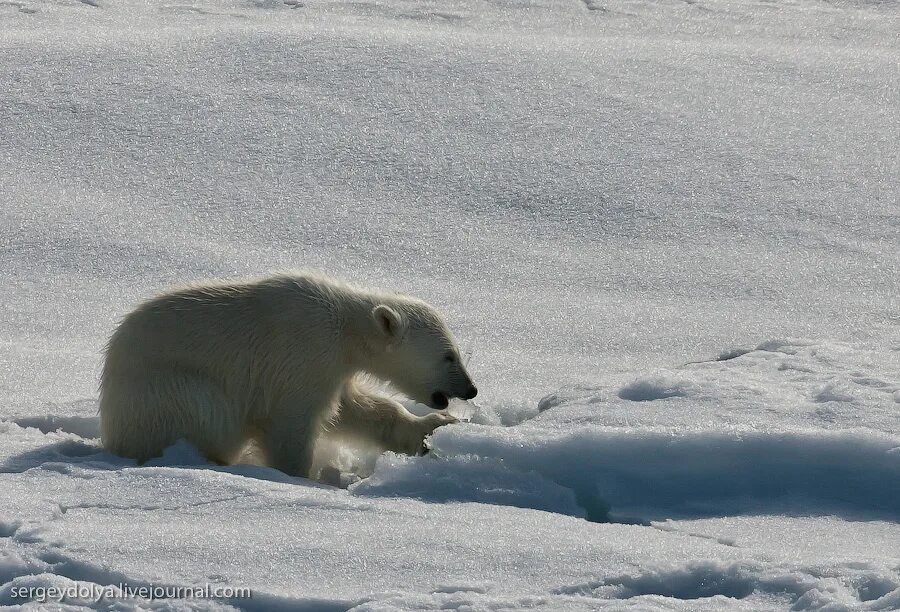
666	234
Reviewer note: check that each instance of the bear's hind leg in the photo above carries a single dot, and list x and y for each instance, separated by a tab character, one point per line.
141	414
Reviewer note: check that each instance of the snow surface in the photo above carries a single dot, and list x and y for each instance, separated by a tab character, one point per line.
666	233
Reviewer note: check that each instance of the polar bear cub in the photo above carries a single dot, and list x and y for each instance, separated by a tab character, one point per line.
275	360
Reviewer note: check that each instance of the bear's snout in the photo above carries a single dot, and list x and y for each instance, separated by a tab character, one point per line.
471	392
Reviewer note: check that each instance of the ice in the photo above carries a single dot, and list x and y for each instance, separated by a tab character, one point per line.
665	232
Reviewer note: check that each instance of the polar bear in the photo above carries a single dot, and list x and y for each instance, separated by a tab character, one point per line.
275	360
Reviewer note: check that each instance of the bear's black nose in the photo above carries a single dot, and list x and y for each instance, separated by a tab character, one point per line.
472	392
439	400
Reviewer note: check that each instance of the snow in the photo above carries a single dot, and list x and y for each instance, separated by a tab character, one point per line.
666	233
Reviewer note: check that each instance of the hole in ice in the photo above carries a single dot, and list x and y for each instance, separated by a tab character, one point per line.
649	389
692	581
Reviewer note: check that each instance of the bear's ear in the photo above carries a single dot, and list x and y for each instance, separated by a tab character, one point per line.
389	322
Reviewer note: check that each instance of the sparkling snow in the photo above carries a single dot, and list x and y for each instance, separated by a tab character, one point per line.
666	233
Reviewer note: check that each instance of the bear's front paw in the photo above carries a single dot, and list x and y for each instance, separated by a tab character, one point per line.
432	422
409	435
436	419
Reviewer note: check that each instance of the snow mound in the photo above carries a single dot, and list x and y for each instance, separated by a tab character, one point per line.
657	474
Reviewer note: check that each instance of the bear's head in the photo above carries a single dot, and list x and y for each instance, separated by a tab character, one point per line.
419	355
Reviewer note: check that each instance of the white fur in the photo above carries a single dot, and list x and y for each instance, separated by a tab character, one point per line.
273	360
367	416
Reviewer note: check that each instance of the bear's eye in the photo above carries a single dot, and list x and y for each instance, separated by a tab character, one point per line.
450	357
